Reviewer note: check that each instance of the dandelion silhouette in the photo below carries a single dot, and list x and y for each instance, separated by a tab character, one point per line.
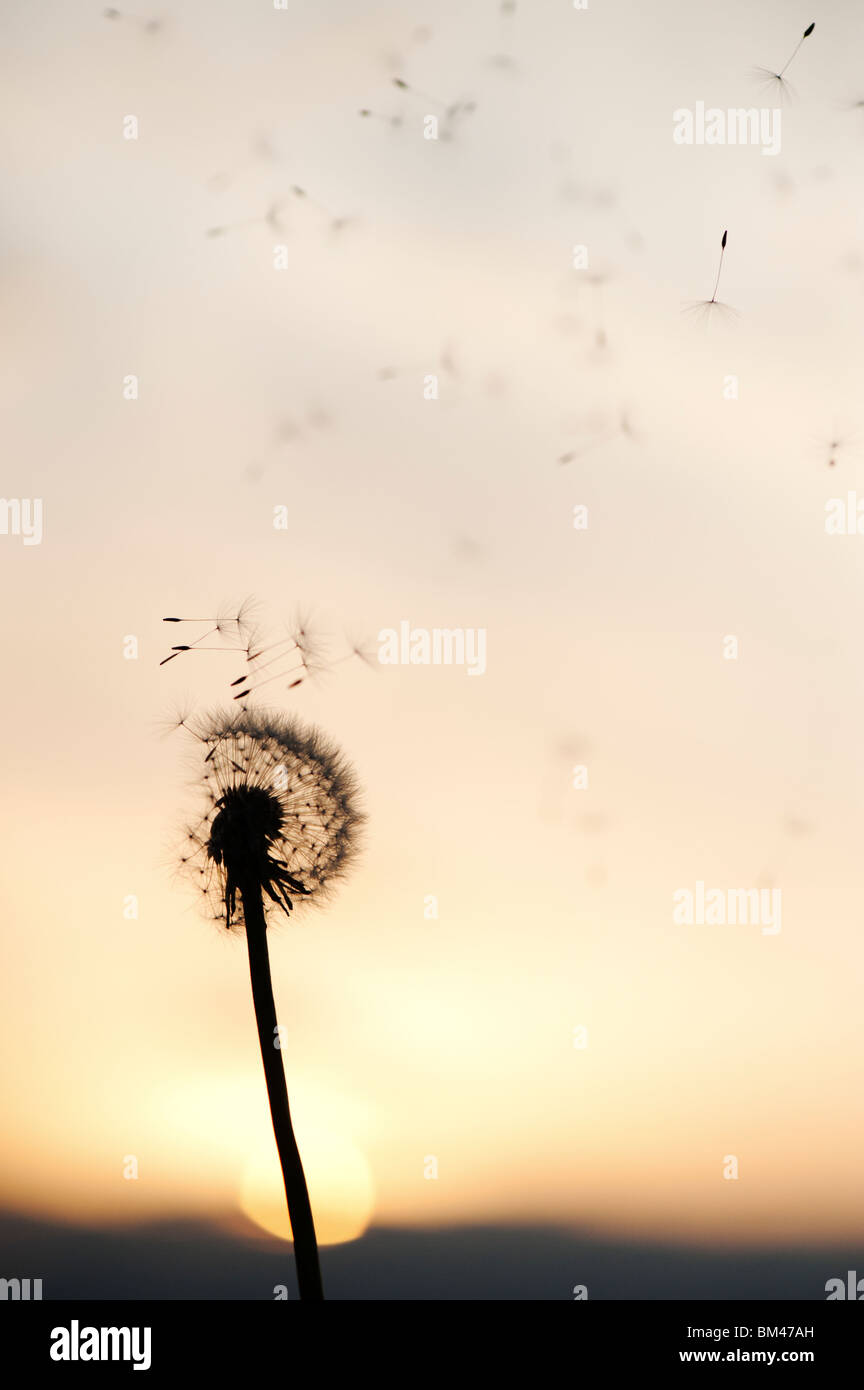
705	308
281	821
776	80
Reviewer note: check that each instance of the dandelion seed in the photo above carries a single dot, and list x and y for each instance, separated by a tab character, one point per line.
365	651
279	675
418	92
621	428
150	26
319	418
303	650
281	821
262	151
704	308
777	80
446	362
466	548
395	122
452	110
180	719
838	446
272	219
228	624
336	223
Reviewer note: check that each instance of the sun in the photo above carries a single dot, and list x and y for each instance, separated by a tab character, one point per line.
340	1189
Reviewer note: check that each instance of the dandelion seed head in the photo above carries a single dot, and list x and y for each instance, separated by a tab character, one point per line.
280	811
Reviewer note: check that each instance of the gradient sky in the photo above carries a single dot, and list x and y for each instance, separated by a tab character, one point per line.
452	1038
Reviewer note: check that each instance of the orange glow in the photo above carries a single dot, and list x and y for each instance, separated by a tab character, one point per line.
340	1190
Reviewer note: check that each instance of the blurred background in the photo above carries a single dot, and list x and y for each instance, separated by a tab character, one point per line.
282	275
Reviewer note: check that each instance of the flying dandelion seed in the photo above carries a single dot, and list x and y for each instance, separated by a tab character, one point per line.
503	61
337	224
149	26
280	821
288	431
837	446
364	650
298	671
262	152
396	61
621	429
395	122
403	86
230	626
784	186
319	418
181	718
300	655
446	362
776	80
452	111
359	649
705	308
272	219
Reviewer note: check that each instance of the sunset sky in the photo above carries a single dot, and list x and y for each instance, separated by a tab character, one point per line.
409	1037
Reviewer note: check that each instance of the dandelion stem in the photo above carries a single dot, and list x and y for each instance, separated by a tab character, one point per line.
296	1192
719	268
807	32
